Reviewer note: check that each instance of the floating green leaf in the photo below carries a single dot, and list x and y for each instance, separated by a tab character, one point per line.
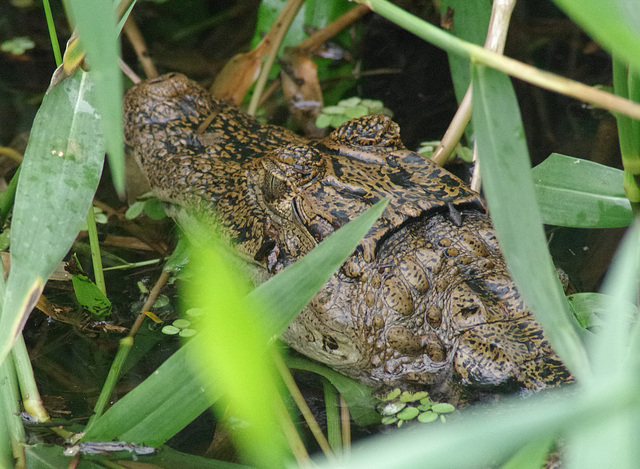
154	209
90	296
408	413
17	45
170	330
442	408
427	417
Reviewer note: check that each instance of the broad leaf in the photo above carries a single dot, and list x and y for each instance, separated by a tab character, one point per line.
60	174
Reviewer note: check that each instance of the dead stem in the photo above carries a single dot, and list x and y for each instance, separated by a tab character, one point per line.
140	47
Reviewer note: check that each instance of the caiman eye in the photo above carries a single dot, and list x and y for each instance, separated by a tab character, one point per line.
273	188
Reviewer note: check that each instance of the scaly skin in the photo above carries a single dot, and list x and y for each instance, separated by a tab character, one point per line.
426	299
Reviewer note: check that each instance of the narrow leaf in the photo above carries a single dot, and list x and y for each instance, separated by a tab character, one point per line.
615	24
12	437
610	348
60	173
97	28
470	22
580	193
235	357
504	162
159	407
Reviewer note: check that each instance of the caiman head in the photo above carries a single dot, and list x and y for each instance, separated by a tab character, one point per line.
426	299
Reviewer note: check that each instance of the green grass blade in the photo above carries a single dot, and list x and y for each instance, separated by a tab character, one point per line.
96	24
8	196
288	292
481	438
470	23
580	193
332	409
12	438
234	356
615	24
159	407
506	174
531	456
60	173
611	354
53	37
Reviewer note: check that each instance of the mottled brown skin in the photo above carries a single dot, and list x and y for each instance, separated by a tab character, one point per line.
426	298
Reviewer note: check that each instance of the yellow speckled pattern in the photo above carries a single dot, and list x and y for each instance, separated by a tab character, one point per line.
425	300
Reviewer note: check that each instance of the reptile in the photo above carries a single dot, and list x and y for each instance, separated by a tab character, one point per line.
425	300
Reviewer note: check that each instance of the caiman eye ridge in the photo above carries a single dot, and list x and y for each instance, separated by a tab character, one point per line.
426	300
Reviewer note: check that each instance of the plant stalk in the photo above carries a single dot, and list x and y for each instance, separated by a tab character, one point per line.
284	20
95	251
53	37
332	406
302	405
512	67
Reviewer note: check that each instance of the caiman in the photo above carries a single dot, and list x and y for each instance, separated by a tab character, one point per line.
425	300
